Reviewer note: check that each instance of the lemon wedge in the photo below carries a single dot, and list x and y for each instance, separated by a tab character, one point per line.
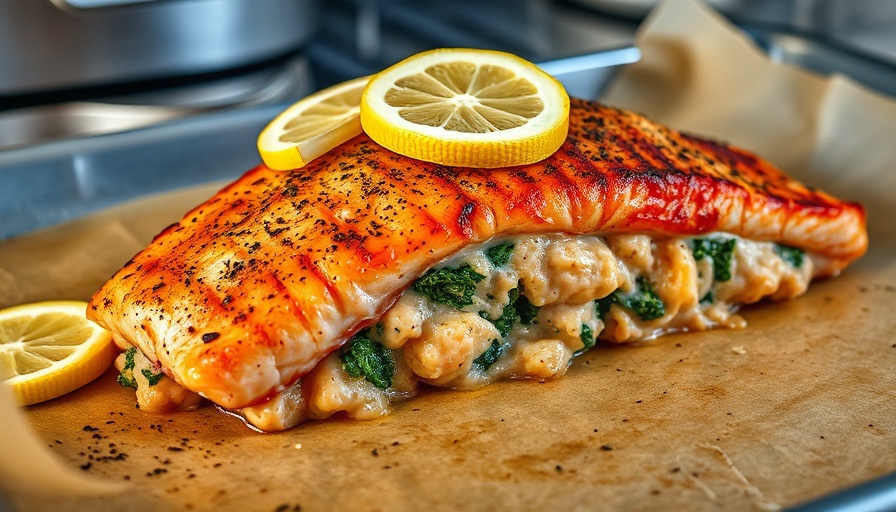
48	349
312	126
466	107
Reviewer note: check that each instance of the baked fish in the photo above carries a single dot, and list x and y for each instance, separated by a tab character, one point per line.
344	285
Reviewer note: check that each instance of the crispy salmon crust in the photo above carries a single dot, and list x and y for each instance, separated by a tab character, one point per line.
252	288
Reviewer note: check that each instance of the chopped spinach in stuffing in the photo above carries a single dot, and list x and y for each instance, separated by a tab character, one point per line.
126	377
499	255
720	251
153	378
526	310
363	357
791	255
491	354
509	315
454	286
517	309
644	302
587	337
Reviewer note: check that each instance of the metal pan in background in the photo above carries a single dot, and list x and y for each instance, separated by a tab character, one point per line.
824	56
50	183
61	44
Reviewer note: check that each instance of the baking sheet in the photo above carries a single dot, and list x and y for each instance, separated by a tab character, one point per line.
799	404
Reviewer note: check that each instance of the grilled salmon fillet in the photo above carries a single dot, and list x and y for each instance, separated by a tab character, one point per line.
254	287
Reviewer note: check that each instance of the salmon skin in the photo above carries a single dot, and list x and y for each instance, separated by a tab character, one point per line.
251	289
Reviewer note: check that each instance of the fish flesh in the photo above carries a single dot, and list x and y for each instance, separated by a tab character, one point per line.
252	289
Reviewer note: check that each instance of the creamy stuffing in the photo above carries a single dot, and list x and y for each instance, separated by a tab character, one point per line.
524	307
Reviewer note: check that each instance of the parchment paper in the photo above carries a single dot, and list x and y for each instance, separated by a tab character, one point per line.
800	403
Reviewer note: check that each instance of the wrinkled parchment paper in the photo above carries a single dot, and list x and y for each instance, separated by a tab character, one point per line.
797	405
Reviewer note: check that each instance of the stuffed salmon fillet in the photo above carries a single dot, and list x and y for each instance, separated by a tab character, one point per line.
344	285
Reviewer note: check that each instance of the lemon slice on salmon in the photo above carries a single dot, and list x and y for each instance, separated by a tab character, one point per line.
48	349
466	107
312	126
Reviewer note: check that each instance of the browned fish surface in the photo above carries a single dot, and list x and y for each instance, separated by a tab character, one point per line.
252	288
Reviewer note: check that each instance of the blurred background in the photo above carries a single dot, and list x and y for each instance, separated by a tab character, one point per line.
78	67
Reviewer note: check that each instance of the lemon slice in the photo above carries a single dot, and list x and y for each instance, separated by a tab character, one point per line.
466	107
312	126
48	349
